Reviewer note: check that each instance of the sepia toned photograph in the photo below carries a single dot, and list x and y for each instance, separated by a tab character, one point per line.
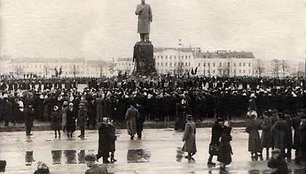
152	87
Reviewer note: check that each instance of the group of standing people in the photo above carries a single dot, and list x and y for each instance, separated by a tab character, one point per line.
281	131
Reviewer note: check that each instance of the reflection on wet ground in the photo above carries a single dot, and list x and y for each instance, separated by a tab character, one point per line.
57	156
138	156
29	158
157	152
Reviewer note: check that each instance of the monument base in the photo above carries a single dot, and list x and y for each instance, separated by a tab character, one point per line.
144	60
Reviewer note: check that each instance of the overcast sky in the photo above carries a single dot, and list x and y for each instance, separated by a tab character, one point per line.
107	28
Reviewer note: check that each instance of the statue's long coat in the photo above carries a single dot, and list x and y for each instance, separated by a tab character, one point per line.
144	13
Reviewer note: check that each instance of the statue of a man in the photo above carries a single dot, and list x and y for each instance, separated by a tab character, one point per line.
144	13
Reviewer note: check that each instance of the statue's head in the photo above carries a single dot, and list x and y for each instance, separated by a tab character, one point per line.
143	1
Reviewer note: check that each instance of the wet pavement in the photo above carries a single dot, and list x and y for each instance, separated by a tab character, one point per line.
155	153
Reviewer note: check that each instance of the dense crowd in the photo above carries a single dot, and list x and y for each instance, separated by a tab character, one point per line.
161	98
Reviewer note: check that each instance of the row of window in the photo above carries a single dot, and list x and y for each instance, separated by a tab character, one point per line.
220	64
174	64
174	57
226	71
42	66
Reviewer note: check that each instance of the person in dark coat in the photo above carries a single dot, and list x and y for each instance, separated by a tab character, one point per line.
278	133
107	138
56	120
7	110
92	114
215	140
189	138
139	121
252	128
278	162
225	148
82	117
112	139
131	115
288	136
266	136
302	147
29	118
70	122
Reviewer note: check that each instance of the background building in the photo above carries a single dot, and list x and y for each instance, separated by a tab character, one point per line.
43	67
192	60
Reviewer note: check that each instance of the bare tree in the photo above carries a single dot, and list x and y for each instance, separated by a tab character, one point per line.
259	68
275	67
74	70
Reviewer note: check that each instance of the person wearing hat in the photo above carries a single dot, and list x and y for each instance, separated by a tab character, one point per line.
70	123
277	162
82	118
189	138
64	115
254	143
29	118
90	160
266	136
56	120
131	115
225	151
215	140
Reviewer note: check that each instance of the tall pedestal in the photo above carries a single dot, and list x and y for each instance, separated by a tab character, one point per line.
144	60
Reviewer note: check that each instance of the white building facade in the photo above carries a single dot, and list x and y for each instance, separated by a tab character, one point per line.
175	61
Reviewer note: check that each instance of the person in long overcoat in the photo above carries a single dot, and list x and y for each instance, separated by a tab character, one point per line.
82	118
216	134
112	139
104	141
29	118
131	115
189	138
302	155
64	115
139	121
266	136
56	120
70	124
278	134
296	122
225	148
252	128
288	136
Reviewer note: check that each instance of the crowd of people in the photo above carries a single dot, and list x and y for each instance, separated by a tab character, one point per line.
272	105
162	98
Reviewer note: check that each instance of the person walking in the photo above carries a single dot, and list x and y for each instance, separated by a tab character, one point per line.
131	115
56	121
225	149
189	138
29	118
104	143
215	140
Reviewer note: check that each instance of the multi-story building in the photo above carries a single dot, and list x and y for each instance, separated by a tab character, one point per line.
182	60
47	67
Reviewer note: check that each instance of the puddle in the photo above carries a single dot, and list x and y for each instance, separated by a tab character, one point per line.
138	156
29	159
